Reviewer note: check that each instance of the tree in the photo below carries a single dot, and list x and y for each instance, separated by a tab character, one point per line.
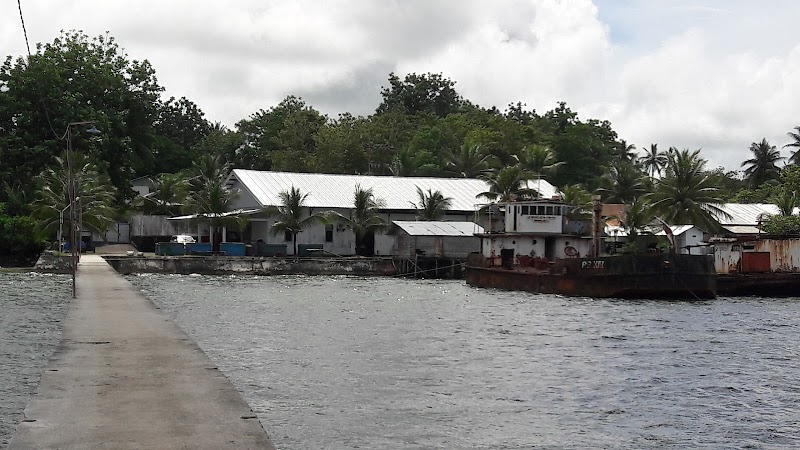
167	197
94	193
624	151
508	184
624	183
418	94
363	219
686	195
795	135
77	78
290	214
470	162
653	161
211	202
762	166
538	160
431	205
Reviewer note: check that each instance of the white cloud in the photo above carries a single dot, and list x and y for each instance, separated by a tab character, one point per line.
708	74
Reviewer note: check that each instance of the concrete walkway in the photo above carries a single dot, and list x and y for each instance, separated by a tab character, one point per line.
125	376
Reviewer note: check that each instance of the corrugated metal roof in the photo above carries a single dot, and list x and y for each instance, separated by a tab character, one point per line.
677	230
742	229
336	191
746	213
419	228
245	212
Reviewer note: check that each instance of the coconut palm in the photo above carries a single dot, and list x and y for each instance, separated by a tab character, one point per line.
687	194
94	193
210	203
653	161
795	135
431	204
624	183
624	151
290	214
507	184
167	197
762	166
638	215
469	162
363	218
579	202
538	160
207	168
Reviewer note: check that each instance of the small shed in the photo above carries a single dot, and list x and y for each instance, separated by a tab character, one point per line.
435	239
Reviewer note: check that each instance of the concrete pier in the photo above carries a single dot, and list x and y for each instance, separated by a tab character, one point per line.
125	376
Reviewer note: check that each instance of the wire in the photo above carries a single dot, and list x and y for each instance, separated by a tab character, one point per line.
24	31
30	58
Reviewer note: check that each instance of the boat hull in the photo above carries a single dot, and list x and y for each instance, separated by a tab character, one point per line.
772	284
666	276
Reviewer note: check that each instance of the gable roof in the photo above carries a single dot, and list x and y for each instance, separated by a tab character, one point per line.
420	228
336	191
746	213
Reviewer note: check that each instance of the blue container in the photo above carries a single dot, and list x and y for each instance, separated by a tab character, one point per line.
170	249
199	247
233	248
308	250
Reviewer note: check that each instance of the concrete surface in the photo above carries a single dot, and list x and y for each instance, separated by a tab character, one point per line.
125	376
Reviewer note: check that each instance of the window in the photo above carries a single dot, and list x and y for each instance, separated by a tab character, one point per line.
549	211
525	210
540	210
328	233
287	236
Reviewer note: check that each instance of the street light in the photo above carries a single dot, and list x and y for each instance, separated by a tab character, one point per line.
73	197
61	226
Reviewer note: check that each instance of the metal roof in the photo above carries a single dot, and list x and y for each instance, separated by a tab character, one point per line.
419	228
237	212
677	230
746	213
742	229
336	191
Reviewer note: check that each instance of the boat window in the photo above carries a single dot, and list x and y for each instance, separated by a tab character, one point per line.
549	211
749	247
540	210
525	210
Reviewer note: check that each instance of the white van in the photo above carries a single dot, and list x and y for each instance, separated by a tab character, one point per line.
182	239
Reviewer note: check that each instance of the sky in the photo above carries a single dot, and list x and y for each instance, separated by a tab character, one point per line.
715	75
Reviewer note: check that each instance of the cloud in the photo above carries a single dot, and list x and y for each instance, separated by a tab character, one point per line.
691	73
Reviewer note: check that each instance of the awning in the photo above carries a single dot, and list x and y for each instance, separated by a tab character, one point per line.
238	212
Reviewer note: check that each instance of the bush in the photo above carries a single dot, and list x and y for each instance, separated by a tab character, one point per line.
782	225
19	245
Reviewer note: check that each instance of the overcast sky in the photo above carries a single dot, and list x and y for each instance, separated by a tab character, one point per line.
710	74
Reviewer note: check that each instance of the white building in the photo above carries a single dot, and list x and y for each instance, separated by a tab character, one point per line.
327	192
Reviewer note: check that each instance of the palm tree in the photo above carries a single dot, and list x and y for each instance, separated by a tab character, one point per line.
624	183
363	219
787	201
579	202
432	204
638	215
507	184
210	203
624	151
470	162
762	166
94	192
168	195
687	194
795	135
538	160
208	168
653	161
290	215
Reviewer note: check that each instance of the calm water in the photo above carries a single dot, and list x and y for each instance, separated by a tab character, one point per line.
32	308
333	362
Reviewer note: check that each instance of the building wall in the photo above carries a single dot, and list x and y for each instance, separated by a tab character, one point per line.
534	218
435	246
552	247
147	225
784	254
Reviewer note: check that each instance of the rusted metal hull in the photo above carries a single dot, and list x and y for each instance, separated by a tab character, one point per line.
775	284
667	276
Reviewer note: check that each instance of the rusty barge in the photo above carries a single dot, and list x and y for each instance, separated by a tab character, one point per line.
533	246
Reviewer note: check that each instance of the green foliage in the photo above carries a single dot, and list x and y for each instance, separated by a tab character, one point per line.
291	215
507	184
363	218
795	143
420	94
686	194
782	225
19	242
431	205
763	165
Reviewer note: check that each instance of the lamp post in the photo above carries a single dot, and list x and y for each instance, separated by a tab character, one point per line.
61	226
73	198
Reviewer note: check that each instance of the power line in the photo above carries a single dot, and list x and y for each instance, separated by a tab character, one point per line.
30	57
24	31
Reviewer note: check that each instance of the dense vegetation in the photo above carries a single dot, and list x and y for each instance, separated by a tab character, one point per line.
422	127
